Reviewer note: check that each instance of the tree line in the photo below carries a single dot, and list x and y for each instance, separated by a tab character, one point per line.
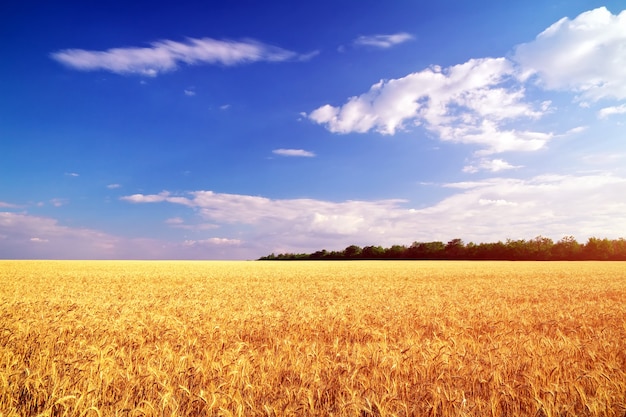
538	249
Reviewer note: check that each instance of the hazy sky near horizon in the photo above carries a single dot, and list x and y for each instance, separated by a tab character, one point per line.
231	130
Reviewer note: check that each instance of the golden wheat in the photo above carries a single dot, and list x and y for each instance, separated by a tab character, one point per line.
367	338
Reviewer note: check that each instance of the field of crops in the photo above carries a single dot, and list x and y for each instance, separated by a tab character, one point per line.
362	338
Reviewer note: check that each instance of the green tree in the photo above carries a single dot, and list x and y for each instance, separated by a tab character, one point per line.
426	250
541	248
566	249
396	251
320	254
352	252
373	252
598	249
619	249
518	249
455	249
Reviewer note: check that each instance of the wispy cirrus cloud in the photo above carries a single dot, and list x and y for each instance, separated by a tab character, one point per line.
604	158
179	223
175	221
58	202
166	55
383	41
293	152
213	241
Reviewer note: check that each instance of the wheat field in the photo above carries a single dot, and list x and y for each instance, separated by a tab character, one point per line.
361	338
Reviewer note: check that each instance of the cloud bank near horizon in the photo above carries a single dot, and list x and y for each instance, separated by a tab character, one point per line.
483	211
239	226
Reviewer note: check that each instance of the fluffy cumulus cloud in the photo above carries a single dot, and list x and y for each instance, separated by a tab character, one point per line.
383	41
468	103
483	102
483	211
166	55
585	54
609	111
491	165
293	152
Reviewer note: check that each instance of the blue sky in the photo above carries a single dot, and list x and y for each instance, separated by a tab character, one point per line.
230	130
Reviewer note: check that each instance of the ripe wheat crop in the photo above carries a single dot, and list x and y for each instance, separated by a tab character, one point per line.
363	338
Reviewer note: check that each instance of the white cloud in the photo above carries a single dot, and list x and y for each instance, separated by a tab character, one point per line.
585	54
609	111
491	165
155	198
225	107
24	236
190	93
22	230
293	152
464	185
470	103
179	223
603	159
219	241
166	55
72	174
483	102
481	211
487	202
58	202
308	56
113	186
575	130
291	219
383	41
8	205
